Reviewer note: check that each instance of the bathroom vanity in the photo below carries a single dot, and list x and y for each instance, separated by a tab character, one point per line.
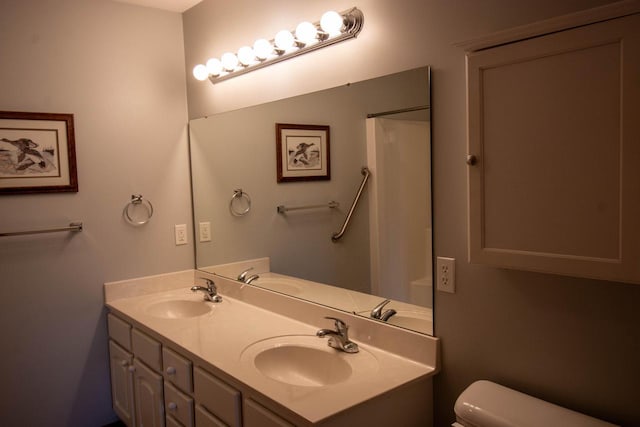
254	359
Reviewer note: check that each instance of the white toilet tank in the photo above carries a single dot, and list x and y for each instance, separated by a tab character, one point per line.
487	404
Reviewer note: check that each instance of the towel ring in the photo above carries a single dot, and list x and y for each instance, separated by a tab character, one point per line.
237	198
137	199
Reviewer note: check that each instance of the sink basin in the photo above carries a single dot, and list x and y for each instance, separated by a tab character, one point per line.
306	361
178	309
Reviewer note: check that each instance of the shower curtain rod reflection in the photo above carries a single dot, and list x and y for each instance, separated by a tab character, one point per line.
402	110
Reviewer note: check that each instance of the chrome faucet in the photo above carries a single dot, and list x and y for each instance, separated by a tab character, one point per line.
242	277
377	312
339	339
210	292
251	278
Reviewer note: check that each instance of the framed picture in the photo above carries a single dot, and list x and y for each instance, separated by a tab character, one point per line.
37	153
302	152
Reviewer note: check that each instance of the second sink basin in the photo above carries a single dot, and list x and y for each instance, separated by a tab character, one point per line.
306	361
178	309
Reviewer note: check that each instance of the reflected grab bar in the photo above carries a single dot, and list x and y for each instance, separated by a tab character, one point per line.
284	209
74	226
337	236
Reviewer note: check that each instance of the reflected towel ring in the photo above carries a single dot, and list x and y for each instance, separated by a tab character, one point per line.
237	198
137	199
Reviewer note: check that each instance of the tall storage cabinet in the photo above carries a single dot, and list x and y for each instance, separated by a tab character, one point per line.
554	152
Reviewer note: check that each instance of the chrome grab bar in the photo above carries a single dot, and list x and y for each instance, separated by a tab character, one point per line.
283	209
337	236
74	226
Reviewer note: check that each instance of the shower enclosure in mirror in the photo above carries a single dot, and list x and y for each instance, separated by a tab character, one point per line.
385	253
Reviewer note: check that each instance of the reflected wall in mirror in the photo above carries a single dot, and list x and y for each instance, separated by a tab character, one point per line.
386	251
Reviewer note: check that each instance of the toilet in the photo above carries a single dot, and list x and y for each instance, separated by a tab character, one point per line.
487	404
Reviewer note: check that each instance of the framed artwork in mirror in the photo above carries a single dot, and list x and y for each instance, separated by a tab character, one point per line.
302	152
37	153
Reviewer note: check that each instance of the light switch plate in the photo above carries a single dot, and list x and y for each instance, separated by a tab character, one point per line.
446	274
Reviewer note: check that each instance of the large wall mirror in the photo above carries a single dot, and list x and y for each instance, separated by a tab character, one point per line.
382	124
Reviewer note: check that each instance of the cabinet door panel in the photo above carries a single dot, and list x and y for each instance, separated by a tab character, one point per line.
552	125
121	383
148	396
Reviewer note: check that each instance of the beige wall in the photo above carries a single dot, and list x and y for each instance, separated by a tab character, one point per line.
119	69
571	341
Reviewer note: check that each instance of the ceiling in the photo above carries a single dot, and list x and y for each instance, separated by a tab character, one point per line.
172	5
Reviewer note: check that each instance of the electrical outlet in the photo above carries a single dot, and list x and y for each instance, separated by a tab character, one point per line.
181	234
205	231
446	274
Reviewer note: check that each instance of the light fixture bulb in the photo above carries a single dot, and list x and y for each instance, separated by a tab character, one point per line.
246	55
306	32
214	66
262	48
284	40
200	72
331	22
229	61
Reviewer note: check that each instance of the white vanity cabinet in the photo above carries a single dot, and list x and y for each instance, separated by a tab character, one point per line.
554	150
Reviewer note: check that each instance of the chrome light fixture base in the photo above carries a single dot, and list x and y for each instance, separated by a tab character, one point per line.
352	23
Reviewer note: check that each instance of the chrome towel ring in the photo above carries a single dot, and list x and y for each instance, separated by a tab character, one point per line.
136	200
240	203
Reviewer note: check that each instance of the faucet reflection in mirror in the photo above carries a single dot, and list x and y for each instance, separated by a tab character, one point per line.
332	28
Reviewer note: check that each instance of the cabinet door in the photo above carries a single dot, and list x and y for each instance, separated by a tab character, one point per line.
554	185
148	396
120	362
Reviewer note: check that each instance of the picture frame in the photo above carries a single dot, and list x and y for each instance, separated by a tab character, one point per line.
302	152
37	153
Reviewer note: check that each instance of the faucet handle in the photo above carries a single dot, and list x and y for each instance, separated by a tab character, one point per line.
376	313
340	325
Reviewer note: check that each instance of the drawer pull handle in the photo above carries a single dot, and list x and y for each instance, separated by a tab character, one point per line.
172	406
171	370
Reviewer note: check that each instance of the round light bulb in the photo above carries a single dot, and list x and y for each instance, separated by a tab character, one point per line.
331	22
284	40
262	48
246	55
200	72
229	61
214	66
306	32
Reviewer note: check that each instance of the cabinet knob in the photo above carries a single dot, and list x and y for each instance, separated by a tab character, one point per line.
172	406
471	160
171	370
132	368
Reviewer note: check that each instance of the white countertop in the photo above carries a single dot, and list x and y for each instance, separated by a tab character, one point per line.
219	337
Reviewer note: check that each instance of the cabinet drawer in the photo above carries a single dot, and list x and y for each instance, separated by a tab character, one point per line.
256	415
177	369
205	418
147	349
178	405
218	397
119	331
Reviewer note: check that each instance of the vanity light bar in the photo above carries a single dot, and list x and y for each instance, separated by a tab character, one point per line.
332	28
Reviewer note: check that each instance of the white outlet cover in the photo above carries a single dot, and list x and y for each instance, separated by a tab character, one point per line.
446	274
181	234
205	231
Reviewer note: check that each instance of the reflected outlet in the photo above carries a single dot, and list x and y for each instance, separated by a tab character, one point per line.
205	231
